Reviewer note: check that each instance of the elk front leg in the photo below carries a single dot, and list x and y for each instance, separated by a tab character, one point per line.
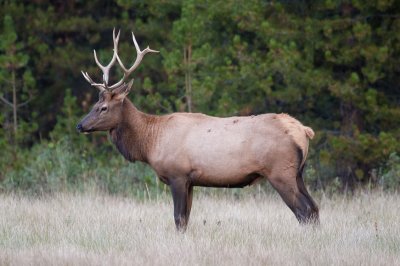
182	193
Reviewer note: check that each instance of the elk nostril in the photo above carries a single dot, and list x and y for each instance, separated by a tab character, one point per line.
79	127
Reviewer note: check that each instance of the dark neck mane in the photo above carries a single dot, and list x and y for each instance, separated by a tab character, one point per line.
136	135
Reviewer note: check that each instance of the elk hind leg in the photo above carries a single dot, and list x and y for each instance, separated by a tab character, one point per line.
293	192
312	212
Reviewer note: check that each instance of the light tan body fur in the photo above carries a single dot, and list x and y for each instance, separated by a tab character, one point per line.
226	152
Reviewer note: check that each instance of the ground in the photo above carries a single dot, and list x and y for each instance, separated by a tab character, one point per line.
94	229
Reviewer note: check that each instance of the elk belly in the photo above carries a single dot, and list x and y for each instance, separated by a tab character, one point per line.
229	161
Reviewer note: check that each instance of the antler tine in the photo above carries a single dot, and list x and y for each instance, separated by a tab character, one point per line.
139	57
101	87
106	69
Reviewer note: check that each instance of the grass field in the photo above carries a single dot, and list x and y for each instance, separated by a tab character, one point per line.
94	229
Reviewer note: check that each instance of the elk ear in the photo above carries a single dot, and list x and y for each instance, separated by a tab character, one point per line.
121	92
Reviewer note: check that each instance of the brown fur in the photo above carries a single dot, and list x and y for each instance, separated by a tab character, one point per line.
135	140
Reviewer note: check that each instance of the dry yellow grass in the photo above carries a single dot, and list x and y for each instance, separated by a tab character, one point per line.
68	229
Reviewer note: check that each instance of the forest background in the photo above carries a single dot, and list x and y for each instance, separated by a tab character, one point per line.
334	65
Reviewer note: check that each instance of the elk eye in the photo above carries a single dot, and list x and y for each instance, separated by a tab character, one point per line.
104	108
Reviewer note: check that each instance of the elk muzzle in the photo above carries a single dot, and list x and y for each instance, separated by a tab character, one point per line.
81	129
85	125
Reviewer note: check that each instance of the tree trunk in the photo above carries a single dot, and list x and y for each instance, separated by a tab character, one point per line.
15	104
187	58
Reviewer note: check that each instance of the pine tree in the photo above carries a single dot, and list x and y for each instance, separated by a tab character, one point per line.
16	79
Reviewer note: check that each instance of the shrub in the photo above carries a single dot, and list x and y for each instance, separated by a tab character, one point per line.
389	178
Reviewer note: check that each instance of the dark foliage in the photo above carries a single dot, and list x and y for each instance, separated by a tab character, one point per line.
334	65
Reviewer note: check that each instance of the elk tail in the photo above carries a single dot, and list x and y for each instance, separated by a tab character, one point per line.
309	132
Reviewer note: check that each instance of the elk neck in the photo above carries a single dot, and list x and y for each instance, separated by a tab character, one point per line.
136	134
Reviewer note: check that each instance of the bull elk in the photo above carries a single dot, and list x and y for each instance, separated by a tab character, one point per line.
193	149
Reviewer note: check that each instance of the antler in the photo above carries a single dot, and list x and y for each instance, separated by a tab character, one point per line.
106	69
139	57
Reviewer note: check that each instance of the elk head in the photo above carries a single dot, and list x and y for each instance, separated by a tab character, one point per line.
106	114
